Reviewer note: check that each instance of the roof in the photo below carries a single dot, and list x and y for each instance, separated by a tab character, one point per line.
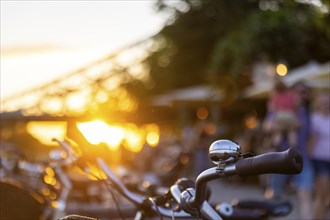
190	94
313	74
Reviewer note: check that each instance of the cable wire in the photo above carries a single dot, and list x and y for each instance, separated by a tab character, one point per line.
156	206
111	192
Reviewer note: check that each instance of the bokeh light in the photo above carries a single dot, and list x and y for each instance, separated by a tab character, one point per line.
152	134
152	138
281	69
134	139
202	113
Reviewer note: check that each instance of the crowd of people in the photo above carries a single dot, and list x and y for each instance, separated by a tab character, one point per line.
298	118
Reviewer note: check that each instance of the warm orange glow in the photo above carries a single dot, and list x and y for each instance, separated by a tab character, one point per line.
44	131
202	113
210	129
281	69
127	105
57	186
97	132
49	171
63	154
115	136
127	135
49	180
153	138
184	159
51	105
134	140
152	127
76	102
45	191
94	173
101	96
152	134
55	204
53	195
251	122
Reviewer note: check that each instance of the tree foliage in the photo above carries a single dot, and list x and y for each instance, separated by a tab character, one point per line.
208	41
294	33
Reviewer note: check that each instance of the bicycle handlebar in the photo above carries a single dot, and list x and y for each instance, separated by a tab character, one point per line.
286	162
193	201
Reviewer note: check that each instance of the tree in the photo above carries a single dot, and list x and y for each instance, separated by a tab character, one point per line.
294	32
218	41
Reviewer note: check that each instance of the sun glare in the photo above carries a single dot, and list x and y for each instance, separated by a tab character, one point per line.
134	141
128	135
44	131
77	102
98	131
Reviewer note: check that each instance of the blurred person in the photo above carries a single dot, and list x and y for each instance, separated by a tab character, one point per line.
197	142
303	182
283	104
320	153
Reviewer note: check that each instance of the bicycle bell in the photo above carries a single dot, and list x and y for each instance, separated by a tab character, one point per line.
224	152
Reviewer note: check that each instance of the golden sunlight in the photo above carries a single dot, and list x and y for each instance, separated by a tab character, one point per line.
152	136
134	140
76	102
52	105
95	173
129	135
98	131
45	131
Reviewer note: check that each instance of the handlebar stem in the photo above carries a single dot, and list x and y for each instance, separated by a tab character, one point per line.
205	210
205	177
194	202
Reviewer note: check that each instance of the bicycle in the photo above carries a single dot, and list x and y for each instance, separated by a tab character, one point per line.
186	199
37	190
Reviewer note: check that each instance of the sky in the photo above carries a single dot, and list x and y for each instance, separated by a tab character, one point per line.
43	40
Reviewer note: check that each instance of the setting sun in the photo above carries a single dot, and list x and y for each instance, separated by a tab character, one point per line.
97	132
128	135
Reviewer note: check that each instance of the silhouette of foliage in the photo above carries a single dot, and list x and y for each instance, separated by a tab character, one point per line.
208	41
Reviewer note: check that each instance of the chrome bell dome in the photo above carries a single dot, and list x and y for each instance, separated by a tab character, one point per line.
224	151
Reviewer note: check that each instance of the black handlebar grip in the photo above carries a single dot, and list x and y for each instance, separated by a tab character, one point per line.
286	162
